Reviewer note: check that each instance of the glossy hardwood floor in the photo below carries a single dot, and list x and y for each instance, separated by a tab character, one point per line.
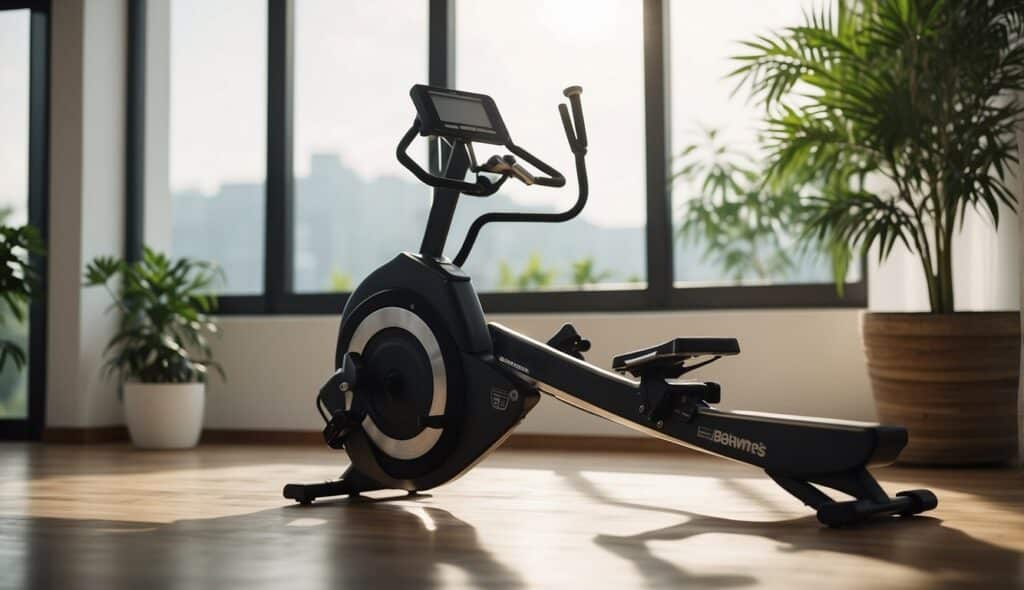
113	517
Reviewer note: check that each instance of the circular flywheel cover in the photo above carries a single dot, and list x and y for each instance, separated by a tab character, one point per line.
411	383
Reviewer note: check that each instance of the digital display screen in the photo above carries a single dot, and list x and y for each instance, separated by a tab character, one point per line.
461	111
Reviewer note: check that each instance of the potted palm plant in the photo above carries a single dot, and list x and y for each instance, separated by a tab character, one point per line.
903	112
160	353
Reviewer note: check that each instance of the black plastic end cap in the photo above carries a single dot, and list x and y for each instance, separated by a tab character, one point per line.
297	492
920	500
572	91
838	514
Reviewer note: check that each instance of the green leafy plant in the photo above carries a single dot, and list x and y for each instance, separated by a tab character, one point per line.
533	276
902	110
741	222
584	273
339	282
19	283
165	310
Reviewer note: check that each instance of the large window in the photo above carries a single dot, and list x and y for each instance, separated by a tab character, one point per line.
283	130
523	62
218	98
14	152
715	136
354	64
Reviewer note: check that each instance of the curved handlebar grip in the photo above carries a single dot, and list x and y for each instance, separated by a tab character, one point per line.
573	94
481	188
554	177
567	126
578	143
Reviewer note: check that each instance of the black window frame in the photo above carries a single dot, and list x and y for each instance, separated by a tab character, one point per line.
31	427
278	297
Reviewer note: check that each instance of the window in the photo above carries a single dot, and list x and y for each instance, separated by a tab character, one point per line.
14	181
354	64
524	60
24	104
715	131
296	192
217	139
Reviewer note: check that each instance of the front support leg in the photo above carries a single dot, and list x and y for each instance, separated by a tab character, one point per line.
870	499
351	483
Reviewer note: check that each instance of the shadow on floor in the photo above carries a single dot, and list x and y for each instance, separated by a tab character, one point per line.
954	558
364	544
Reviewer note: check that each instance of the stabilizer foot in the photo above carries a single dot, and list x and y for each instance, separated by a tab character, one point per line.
351	484
870	499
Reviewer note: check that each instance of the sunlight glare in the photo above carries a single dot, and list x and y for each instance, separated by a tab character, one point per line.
585	21
420	513
307	522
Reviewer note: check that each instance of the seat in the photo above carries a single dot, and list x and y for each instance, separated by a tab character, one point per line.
670	358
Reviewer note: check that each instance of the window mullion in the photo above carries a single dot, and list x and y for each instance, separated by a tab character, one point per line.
441	60
657	118
278	222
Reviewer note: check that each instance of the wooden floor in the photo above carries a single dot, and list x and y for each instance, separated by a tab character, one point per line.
113	517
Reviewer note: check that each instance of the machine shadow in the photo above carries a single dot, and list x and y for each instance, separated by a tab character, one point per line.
364	544
956	559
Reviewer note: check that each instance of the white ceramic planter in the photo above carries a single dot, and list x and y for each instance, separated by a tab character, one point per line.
164	415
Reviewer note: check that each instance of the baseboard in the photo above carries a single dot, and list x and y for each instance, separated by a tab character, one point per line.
110	434
85	436
226	436
539	442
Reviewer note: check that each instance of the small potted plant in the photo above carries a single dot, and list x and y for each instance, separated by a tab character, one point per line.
160	353
903	114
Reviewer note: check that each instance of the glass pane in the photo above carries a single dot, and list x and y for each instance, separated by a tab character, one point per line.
14	119
715	129
218	133
355	206
523	59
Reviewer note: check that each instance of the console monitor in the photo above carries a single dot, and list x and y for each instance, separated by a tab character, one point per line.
453	114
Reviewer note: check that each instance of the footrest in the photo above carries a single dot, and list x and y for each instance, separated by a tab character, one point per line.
674	354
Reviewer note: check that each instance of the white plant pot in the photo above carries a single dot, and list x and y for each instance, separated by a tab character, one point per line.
164	415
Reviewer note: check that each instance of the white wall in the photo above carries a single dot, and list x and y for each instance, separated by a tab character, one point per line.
986	269
798	361
86	203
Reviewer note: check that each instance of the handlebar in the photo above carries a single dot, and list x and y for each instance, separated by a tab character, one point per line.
462	160
483	187
576	135
554	177
578	138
